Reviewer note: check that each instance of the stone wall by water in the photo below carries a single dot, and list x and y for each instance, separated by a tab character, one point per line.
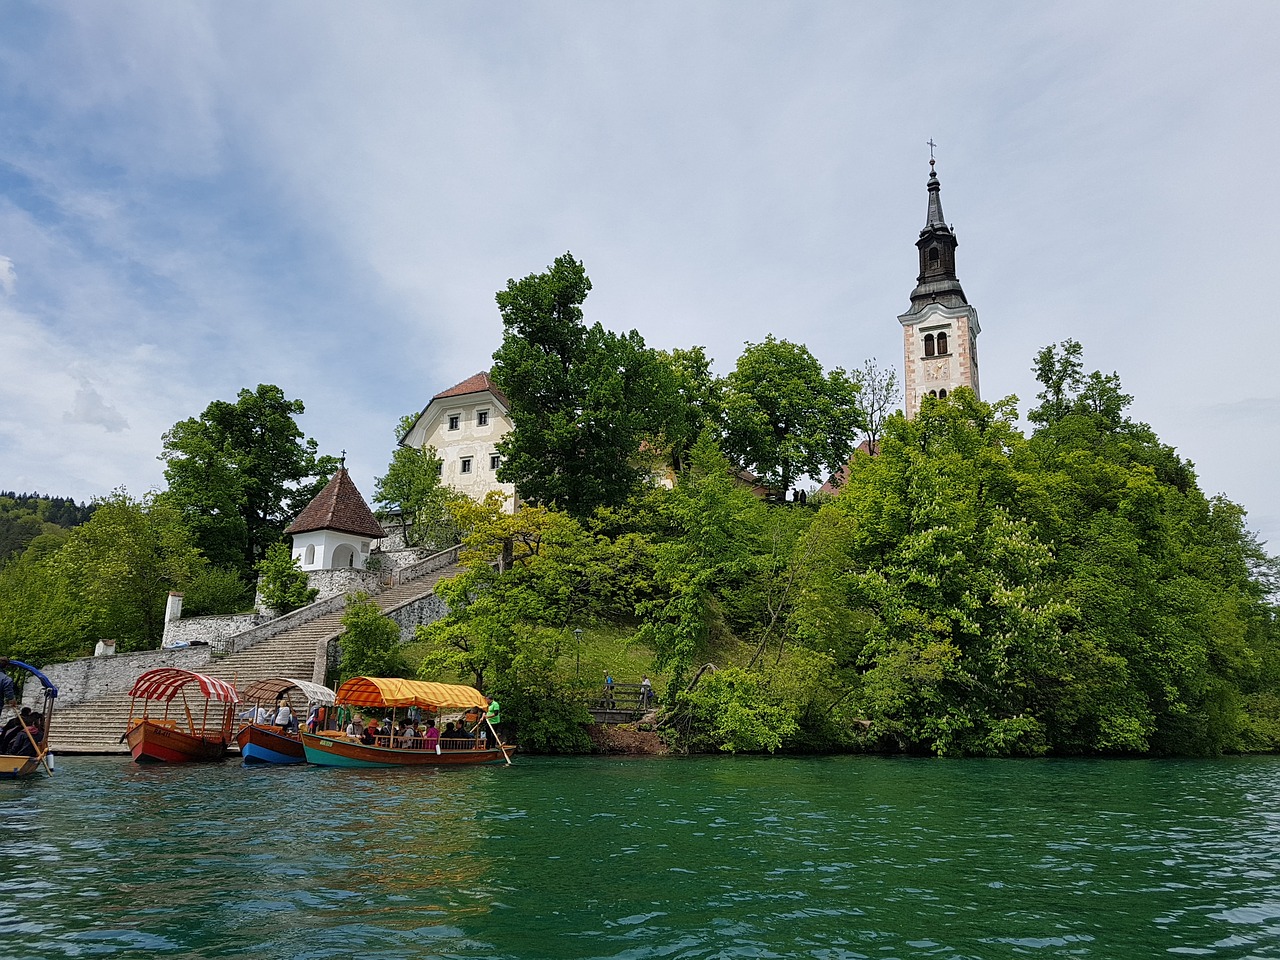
91	677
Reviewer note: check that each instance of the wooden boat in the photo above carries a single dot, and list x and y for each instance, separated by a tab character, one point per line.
192	736
333	749
267	743
32	755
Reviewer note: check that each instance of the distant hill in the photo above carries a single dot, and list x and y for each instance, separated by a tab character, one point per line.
25	516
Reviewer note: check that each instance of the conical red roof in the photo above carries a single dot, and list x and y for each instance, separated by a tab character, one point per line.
339	507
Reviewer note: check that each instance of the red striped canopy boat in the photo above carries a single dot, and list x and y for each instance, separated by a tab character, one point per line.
200	734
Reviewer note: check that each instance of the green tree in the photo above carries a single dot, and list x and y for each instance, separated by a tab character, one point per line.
41	620
121	565
412	488
282	583
241	471
785	417
931	595
698	403
370	641
583	399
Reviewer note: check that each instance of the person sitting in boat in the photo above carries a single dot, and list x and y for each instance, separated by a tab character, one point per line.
284	716
430	737
370	735
356	727
465	740
12	725
23	739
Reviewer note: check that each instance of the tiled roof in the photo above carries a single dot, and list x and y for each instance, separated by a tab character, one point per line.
475	384
339	507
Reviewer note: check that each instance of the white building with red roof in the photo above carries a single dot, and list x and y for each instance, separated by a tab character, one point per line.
336	529
464	424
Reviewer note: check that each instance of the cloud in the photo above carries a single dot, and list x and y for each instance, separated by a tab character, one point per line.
8	276
90	408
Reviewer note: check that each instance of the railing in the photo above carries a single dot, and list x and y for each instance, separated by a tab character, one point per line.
235	643
621	698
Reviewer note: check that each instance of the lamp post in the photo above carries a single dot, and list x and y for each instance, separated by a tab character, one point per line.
577	648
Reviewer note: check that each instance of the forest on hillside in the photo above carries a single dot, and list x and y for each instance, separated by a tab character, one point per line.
971	589
24	517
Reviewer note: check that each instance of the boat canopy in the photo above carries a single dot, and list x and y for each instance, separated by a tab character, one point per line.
50	690
394	692
165	682
270	688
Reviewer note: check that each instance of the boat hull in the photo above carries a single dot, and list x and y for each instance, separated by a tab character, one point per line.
262	744
152	741
338	751
12	766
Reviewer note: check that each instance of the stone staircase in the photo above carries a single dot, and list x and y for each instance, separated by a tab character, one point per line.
96	726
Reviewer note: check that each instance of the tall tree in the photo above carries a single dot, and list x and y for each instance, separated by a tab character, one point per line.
698	403
241	471
122	564
785	417
878	397
412	488
583	399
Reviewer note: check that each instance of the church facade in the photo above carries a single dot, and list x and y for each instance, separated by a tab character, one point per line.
940	329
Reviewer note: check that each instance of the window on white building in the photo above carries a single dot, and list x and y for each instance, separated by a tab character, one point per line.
454	421
482	418
466	465
494	461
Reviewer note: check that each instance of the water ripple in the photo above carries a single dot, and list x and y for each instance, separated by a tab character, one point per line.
633	860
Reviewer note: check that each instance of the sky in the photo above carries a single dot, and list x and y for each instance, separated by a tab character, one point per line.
196	198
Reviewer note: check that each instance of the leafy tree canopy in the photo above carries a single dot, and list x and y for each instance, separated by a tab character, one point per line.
413	490
282	583
784	417
583	399
241	471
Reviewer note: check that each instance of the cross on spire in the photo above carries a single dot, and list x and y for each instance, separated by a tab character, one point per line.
342	461
931	146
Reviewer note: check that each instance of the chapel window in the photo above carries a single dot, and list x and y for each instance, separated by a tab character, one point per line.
942	394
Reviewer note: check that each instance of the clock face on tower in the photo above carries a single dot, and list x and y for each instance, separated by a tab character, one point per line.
937	370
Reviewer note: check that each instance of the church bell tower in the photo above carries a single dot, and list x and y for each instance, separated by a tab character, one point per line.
940	328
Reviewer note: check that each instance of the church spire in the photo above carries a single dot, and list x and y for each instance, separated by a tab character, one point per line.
935	217
937	282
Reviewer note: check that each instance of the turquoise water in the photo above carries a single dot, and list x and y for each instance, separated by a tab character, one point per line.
658	858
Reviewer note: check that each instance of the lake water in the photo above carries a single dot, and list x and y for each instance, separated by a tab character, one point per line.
830	858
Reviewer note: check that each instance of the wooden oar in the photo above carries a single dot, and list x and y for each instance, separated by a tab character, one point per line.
39	753
497	740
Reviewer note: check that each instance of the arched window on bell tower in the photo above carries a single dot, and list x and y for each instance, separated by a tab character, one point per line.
928	345
942	344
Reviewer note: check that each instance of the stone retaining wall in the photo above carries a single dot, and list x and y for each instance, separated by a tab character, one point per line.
91	677
429	609
338	583
211	630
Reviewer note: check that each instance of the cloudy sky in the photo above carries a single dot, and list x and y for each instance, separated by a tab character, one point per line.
200	197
